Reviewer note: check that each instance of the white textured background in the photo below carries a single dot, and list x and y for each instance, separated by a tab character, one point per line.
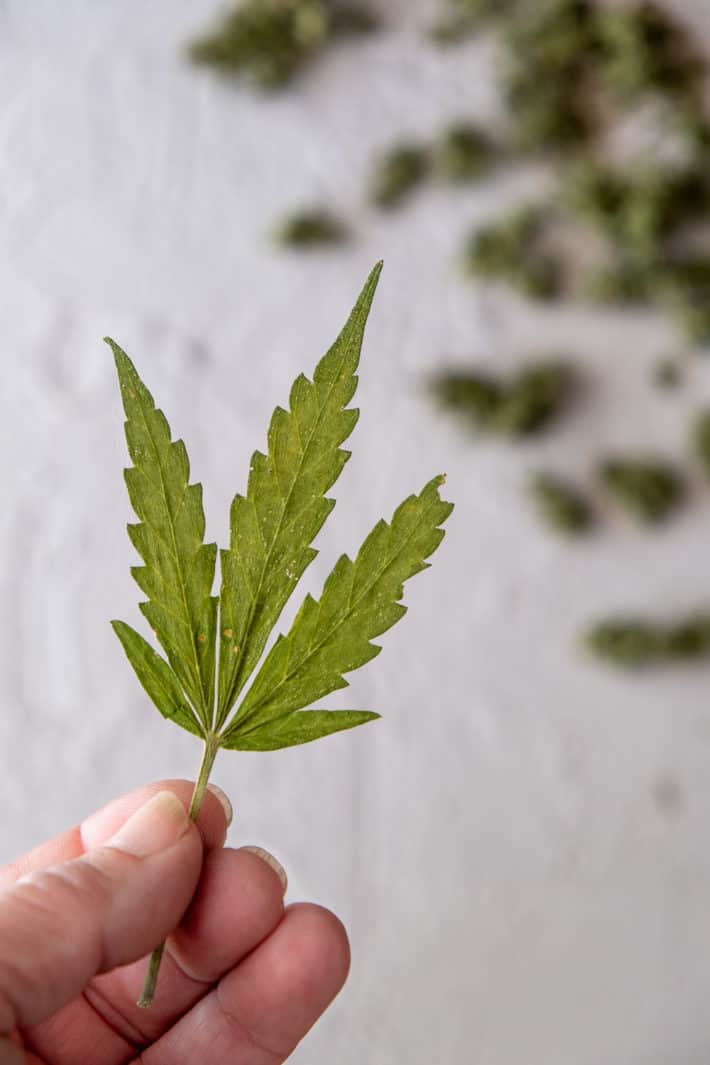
520	848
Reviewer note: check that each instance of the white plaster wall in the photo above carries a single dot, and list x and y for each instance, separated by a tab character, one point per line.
517	890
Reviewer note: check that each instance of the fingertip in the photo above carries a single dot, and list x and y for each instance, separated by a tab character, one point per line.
211	822
238	903
266	1003
323	935
282	987
161	822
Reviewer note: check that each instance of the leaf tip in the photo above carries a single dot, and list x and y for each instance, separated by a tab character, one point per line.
115	348
124	366
438	482
374	276
364	302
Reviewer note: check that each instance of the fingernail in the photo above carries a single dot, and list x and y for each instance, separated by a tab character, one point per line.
270	860
224	802
154	827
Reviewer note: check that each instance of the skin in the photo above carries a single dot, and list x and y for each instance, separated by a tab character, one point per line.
243	977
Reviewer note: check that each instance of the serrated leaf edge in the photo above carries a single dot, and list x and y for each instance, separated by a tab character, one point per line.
205	711
237	722
357	324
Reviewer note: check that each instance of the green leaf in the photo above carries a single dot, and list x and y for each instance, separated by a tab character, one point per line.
272	527
179	568
360	600
271	532
157	678
301	726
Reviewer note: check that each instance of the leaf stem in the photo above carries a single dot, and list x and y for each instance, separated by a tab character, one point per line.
209	754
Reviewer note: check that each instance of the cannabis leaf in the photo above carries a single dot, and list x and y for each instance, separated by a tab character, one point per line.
273	526
157	678
294	728
332	636
272	529
179	567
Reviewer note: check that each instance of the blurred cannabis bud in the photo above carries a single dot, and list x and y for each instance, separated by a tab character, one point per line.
683	287
641	217
641	48
397	172
561	505
309	228
635	642
467	16
269	41
513	249
523	404
700	439
462	153
649	489
668	373
545	73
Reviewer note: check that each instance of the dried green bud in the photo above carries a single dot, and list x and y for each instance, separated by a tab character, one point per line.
346	19
700	439
497	249
269	41
545	79
309	228
622	283
657	203
597	193
647	216
545	117
684	288
627	642
533	398
689	120
473	396
451	30
689	638
512	250
639	213
462	153
642	48
561	505
467	17
266	40
524	404
397	173
668	374
634	642
540	278
648	489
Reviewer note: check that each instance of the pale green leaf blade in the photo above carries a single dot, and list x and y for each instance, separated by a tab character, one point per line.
274	524
178	571
300	726
157	678
360	600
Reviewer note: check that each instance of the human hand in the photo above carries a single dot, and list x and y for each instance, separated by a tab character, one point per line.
242	980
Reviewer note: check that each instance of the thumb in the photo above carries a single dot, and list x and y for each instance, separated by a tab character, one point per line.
61	926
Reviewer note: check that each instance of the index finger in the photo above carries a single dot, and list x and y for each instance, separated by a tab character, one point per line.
213	820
